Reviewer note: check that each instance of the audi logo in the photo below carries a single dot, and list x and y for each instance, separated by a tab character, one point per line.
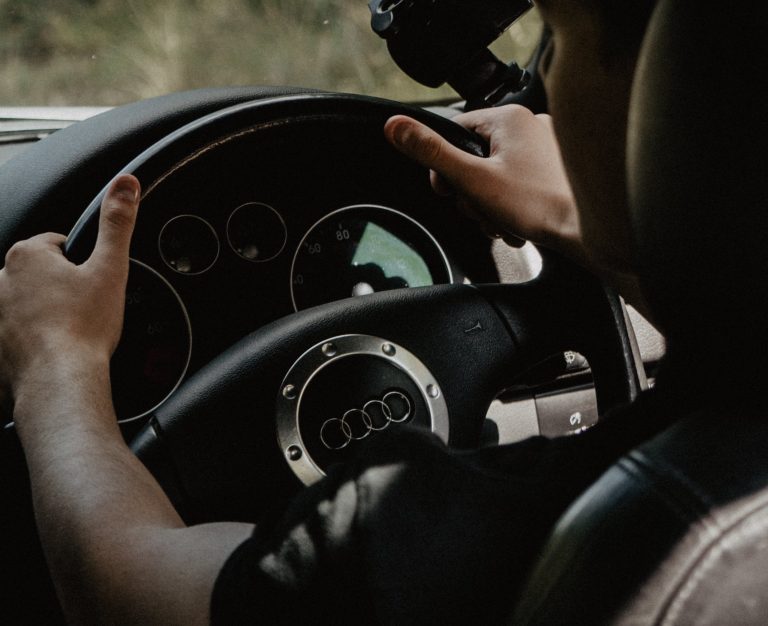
357	424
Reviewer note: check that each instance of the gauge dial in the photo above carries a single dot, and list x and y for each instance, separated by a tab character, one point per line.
361	250
256	232
188	244
154	349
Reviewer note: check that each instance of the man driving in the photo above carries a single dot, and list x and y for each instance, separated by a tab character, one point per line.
408	531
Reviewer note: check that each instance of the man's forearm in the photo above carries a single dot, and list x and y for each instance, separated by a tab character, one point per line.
106	525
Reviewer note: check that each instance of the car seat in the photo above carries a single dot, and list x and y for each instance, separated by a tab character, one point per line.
676	532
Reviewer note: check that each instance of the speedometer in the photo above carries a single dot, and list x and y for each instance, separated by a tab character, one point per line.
364	249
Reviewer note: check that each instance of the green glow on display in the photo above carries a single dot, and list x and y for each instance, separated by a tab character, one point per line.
395	257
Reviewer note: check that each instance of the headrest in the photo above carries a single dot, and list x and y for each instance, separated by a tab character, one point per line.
698	183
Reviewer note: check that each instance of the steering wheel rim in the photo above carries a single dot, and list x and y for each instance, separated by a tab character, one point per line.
563	308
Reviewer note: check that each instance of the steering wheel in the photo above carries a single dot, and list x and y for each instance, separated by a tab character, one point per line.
284	403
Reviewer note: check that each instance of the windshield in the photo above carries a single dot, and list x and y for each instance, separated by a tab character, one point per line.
109	52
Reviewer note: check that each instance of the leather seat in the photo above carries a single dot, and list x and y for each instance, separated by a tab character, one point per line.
676	532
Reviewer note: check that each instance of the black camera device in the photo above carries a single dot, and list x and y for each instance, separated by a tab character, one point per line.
446	41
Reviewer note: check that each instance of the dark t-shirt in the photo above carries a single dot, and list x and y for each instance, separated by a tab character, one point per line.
412	533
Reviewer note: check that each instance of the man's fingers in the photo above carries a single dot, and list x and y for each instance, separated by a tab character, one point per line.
23	250
429	149
117	219
440	185
55	240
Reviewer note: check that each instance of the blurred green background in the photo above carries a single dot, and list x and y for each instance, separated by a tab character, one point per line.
107	52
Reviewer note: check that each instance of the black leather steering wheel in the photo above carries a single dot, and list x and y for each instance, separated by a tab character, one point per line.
216	446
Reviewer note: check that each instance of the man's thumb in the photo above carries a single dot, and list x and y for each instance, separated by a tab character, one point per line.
117	219
428	148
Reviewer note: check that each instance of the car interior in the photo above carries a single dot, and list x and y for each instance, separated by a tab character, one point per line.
289	267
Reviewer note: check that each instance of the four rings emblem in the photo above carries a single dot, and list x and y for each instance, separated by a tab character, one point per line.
356	424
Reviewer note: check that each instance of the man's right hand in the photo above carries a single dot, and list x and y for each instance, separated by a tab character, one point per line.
520	190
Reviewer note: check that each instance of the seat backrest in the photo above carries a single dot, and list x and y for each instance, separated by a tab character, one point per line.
676	532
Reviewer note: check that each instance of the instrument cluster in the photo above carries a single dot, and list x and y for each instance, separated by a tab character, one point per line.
247	232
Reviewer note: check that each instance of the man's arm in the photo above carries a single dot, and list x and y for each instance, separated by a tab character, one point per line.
117	550
520	190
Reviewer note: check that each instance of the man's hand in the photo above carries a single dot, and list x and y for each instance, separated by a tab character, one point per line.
520	190
116	548
51	309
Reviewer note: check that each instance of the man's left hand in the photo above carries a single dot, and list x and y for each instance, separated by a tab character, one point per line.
52	310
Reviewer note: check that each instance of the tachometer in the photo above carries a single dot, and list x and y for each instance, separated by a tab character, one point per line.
155	346
364	249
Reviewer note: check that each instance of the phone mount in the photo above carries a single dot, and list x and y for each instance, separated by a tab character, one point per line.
446	41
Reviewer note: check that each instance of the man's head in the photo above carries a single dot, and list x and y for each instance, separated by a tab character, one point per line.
588	70
622	23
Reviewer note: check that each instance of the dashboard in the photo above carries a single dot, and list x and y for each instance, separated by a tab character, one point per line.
256	226
238	234
265	221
